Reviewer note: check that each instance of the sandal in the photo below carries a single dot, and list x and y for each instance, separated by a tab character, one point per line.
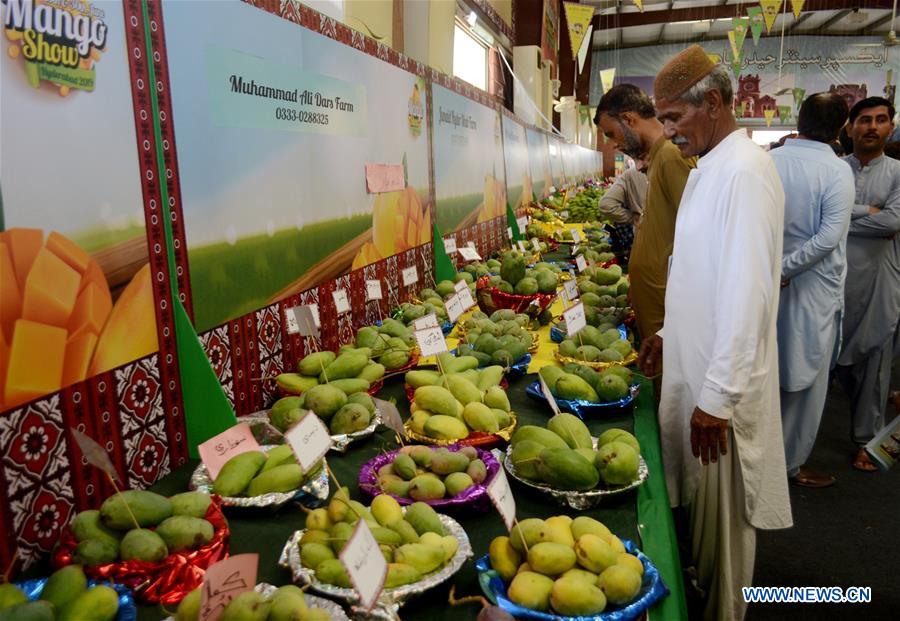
810	478
863	463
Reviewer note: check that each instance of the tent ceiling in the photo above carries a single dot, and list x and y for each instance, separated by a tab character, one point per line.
619	23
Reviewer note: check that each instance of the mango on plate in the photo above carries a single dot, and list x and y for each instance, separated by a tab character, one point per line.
280	479
236	474
148	508
182	532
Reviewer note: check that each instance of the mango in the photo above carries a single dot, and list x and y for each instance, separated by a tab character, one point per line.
551	559
490	377
477	471
462	389
567	470
248	606
551	373
28	611
630	561
399	574
316	536
584	525
526	533
340	533
189	608
94	552
325	400
318	519
359	511
572	597
594	553
193	504
345	366
617	463
87	525
288	603
495	397
64	585
406	531
11	595
480	417
182	532
557	529
417	378
294	383
615	543
503	418
372	372
404	467
585	576
350	419
418	419
544	437
280	409
450	545
236	474
422	455
444	462
278	456
395	359
505	559
524	458
618	435
568	348
397	487
148	508
385	509
332	571
425	558
571	429
445	428
350	385
143	545
426	488
363	399
313	364
312	554
424	519
620	584
572	387
588	454
99	603
437	400
531	590
458	482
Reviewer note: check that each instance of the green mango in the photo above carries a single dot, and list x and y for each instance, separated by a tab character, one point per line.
479	417
349	419
442	427
350	385
426	487
487	343
363	399
332	571
325	400
182	532
566	469
236	474
490	377
393	328
148	508
572	387
436	399
294	383
28	611
99	603
512	269
444	462
345	366
141	544
189	608
588	353
462	389
312	364
406	531
546	280
399	574
618	435
611	387
248	606
313	554
404	466
94	552
417	378
526	286
568	347
458	482
372	372
64	585
524	458
11	595
281	409
544	437
610	355
288	603
495	397
424	519
394	359
571	429
280	479
194	504
88	525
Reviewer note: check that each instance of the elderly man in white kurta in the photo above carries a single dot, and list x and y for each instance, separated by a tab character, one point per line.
719	414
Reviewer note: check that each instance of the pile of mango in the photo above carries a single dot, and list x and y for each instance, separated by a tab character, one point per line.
570	567
430	473
562	455
287	603
581	383
516	278
465	399
110	535
65	597
413	542
341	412
584	206
351	370
446	288
592	345
255	473
502	338
593	254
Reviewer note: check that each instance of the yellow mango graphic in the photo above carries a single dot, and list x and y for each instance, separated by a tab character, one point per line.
397	221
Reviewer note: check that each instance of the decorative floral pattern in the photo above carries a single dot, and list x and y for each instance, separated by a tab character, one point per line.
218	350
142	422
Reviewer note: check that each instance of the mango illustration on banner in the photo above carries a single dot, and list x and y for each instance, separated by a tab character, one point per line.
797	6
740	25
771	9
578	16
770	114
607	77
755	15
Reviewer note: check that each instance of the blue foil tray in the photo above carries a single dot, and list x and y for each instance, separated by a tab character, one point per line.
558	336
584	409
127	609
516	370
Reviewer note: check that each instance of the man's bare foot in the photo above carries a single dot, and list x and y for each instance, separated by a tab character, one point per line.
863	463
810	478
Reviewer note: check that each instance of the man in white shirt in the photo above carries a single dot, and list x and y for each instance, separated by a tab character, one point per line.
719	415
818	190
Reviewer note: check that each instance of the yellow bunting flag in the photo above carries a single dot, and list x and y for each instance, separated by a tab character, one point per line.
639	4
735	50
770	114
797	5
714	57
578	17
771	9
607	76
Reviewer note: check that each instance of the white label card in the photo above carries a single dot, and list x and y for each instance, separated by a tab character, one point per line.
571	289
307	318
428	321
509	232
365	564
549	395
341	301
575	249
390	415
224	581
450	245
523	224
410	276
431	341
454	307
564	214
535	244
581	263
522	247
373	290
290	317
465	297
576	235
309	439
469	254
502	498
575	319
459	285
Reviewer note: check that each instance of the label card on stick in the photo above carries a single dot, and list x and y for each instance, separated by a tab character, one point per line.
428	321
523	223
390	415
373	290
575	248
454	308
310	440
460	285
410	276
290	318
341	302
307	318
571	289
581	263
365	564
502	498
509	232
576	235
224	581
522	247
549	395
465	297
469	254
535	244
575	319
216	451
449	245
431	341
564	214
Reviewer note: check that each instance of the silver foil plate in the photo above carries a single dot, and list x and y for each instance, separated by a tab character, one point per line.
334	609
263	428
390	600
313	492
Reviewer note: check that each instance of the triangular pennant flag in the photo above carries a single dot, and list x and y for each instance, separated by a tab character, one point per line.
736	66
207	411
771	9
607	77
797	5
741	109
443	266
798	96
513	224
716	58
735	50
578	16
639	4
769	114
585	47
755	15
740	25
784	113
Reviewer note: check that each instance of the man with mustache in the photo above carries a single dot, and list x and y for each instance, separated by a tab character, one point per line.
719	417
872	294
626	116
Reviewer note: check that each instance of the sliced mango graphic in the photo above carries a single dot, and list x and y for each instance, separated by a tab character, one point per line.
399	223
24	246
35	363
50	290
11	297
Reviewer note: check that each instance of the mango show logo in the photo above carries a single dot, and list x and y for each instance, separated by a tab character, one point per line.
59	41
416	109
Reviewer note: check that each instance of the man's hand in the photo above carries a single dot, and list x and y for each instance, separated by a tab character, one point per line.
785	282
709	436
650	357
873	210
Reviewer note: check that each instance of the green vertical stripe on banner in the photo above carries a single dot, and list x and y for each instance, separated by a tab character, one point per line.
654	514
207	410
513	224
443	266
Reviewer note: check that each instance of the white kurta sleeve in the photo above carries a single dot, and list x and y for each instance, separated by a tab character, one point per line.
744	286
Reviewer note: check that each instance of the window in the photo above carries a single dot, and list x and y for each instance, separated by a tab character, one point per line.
764	137
470	57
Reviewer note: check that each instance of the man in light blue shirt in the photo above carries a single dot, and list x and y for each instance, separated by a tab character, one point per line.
818	193
872	294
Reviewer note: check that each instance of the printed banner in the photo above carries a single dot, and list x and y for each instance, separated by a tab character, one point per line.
578	16
771	9
757	21
519	190
539	162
